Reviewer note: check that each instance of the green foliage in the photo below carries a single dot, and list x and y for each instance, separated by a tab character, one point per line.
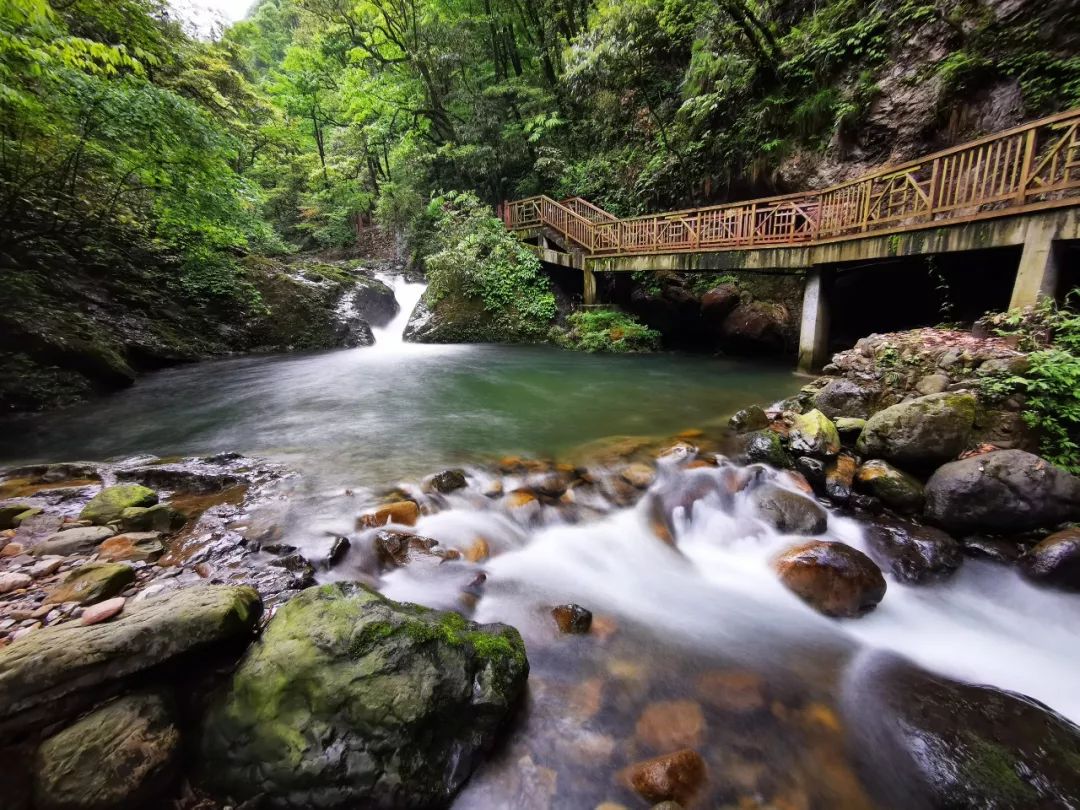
1051	385
473	256
607	330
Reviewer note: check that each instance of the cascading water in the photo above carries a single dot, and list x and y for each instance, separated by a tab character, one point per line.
408	294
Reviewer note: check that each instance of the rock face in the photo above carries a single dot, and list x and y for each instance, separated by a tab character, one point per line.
942	744
1056	560
124	754
914	553
374	302
893	487
833	578
920	433
107	505
1001	491
719	302
53	669
351	700
788	511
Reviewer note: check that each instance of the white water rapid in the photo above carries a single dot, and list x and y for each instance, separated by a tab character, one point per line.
407	293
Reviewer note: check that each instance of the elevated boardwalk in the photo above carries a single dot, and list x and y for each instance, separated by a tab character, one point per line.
1018	187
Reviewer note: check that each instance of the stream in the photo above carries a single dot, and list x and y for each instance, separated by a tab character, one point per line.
668	623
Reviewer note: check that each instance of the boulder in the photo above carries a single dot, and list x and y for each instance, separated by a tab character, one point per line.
92	583
395	549
56	669
83	540
839	476
14	581
752	418
833	578
913	553
842	397
107	505
757	325
1001	491
350	699
160	518
9	512
988	548
402	513
891	486
1055	561
374	302
719	302
932	384
445	482
764	447
671	777
943	744
125	754
140	546
849	428
787	511
814	434
921	433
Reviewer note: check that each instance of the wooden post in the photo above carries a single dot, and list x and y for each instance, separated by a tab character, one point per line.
1025	167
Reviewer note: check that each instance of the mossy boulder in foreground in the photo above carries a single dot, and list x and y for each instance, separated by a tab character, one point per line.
352	700
109	504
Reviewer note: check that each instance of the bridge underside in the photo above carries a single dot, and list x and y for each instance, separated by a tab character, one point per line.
1040	235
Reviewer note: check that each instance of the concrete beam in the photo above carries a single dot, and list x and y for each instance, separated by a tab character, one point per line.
1037	274
814	329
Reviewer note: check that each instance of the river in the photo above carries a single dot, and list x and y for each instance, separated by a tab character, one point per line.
351	421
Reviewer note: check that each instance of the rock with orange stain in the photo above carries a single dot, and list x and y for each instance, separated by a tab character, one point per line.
833	578
678	777
738	691
572	618
819	716
799	480
402	513
671	724
478	551
12	549
586	698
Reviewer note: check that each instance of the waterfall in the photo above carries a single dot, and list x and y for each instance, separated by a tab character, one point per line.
408	295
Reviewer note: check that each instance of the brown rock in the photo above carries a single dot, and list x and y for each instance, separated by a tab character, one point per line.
143	546
738	691
12	549
92	583
671	777
395	549
671	724
519	498
638	475
478	551
13	582
403	513
833	578
103	611
572	618
586	698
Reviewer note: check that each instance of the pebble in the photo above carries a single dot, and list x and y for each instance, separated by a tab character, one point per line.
103	611
6	623
13	582
13	549
46	567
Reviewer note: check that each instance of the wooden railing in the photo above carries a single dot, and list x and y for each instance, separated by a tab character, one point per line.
1031	167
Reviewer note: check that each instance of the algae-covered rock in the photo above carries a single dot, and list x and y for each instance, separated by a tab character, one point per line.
352	700
752	418
159	518
109	504
9	512
814	434
92	583
849	428
764	447
123	755
1001	491
893	487
923	432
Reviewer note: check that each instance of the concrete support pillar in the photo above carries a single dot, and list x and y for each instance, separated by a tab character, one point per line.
814	330
1037	275
589	287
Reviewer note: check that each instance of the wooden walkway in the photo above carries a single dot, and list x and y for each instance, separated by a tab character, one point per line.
1030	168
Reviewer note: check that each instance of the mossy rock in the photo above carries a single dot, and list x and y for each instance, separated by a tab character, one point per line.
921	433
160	518
11	514
109	504
893	487
92	583
350	699
814	434
765	447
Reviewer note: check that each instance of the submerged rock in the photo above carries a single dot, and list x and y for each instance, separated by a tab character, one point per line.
109	504
787	511
124	754
1055	561
913	553
350	699
1001	491
833	578
672	777
925	431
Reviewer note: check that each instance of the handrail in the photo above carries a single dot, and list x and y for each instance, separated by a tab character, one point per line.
1033	166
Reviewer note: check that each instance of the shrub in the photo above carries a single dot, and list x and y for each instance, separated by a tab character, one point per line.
607	330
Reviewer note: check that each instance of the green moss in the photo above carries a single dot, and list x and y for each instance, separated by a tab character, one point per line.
992	772
606	330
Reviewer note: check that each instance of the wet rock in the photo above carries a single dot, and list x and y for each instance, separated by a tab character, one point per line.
813	472
401	513
60	668
1002	551
833	578
913	553
125	754
350	699
160	518
942	744
845	397
478	551
339	549
672	777
920	433
732	690
839	476
300	566
201	476
849	428
374	302
764	447
445	482
1055	561
92	583
139	546
893	487
9	512
107	505
814	434
671	724
395	549
14	581
102	611
638	475
71	542
787	511
752	418
572	618
1001	491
